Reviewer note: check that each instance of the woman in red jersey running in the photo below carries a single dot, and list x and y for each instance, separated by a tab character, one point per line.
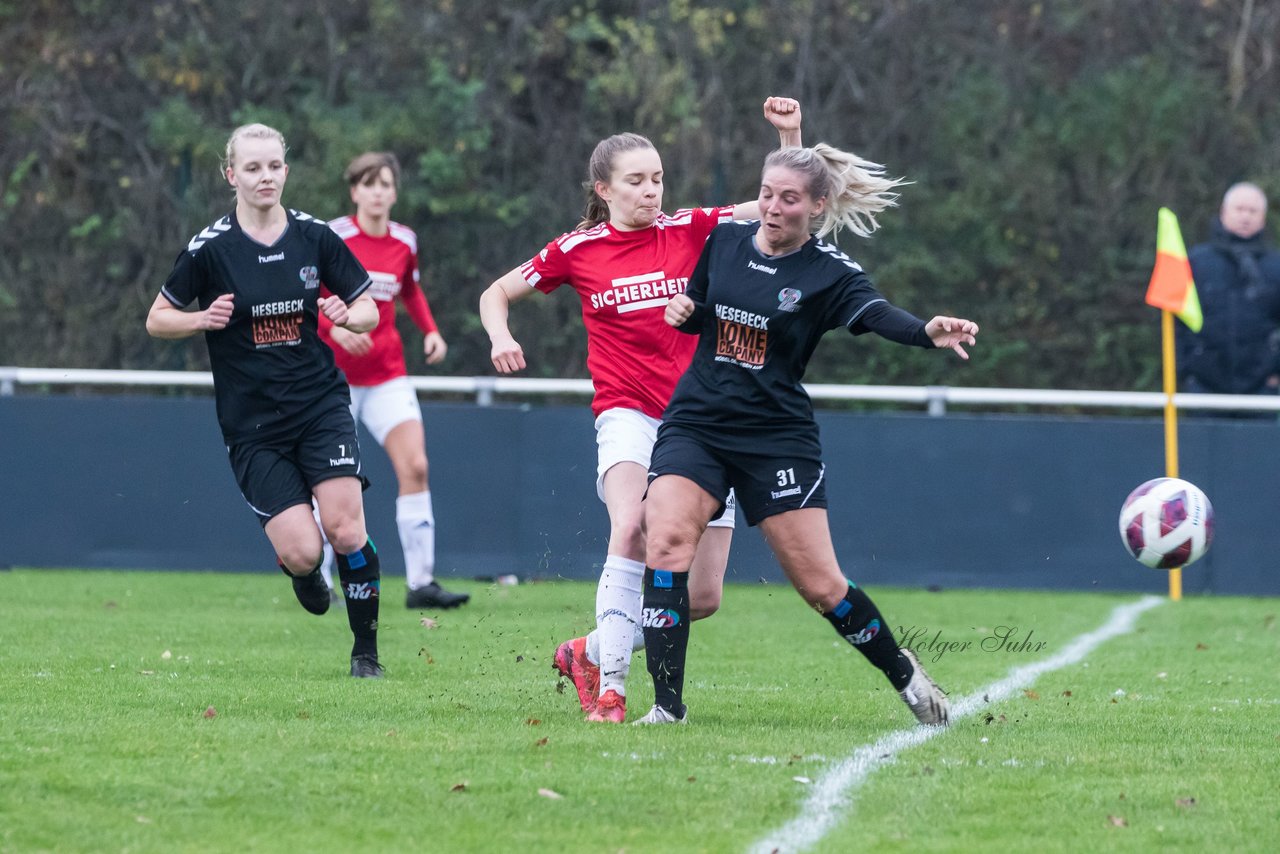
373	362
626	259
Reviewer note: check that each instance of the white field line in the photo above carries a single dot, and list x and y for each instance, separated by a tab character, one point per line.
829	800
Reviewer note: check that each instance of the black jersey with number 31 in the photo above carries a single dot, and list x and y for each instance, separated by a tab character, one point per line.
760	318
271	371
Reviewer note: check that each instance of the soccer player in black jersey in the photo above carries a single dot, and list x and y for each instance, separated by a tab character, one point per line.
282	404
762	295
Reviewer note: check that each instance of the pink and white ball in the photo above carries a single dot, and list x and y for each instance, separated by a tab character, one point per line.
1167	523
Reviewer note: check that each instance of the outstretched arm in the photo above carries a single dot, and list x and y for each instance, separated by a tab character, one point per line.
951	333
783	114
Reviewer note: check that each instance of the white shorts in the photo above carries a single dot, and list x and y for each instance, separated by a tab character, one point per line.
627	436
385	406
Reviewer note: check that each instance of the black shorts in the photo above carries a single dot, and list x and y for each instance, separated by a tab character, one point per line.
767	482
275	474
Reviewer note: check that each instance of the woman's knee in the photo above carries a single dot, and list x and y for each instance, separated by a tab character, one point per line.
703	605
412	473
626	530
670	544
300	557
346	535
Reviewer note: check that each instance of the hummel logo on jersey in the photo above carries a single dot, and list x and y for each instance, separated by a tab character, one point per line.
762	268
632	293
835	253
267	259
222	225
362	590
342	461
659	618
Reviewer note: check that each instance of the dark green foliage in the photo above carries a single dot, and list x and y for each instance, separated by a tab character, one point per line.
1041	139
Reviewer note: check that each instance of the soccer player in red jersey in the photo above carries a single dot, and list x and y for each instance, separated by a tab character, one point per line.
625	260
254	277
374	364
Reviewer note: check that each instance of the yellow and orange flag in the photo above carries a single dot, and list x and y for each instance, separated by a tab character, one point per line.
1172	287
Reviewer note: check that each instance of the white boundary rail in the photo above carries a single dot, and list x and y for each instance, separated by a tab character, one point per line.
935	399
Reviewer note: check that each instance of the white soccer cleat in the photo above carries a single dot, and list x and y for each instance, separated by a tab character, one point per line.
659	715
925	699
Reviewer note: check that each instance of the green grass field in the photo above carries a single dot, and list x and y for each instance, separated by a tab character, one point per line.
208	712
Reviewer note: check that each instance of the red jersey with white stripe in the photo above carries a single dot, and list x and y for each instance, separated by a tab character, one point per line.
624	280
392	262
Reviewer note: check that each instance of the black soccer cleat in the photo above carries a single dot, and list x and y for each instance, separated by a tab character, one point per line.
366	667
312	592
434	596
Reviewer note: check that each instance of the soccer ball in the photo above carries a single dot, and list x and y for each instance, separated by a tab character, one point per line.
1166	523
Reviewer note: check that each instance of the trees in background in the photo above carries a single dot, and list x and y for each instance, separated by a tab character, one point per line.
1041	138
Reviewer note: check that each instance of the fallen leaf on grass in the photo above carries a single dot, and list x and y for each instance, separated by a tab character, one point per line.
422	653
519	658
458	787
548	793
1185	803
542	742
1201	646
428	623
533	721
1066	693
1030	695
211	712
691	779
1117	821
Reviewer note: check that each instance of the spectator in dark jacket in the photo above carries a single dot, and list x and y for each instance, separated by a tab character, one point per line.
1237	276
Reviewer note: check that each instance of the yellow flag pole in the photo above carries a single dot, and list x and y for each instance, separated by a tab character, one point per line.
1170	425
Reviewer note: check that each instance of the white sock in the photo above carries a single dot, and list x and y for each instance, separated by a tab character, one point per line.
593	644
619	598
417	525
326	564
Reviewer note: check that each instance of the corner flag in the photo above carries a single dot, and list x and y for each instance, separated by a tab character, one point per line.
1172	287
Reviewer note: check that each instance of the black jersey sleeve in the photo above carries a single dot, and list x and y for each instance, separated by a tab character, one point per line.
187	281
341	273
697	288
889	321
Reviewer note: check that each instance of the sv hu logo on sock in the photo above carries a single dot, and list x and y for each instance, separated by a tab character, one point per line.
362	590
660	618
872	629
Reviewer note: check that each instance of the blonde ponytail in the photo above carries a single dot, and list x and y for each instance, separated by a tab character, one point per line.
855	189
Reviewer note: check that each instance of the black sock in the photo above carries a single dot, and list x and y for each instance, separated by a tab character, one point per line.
665	619
858	621
360	575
